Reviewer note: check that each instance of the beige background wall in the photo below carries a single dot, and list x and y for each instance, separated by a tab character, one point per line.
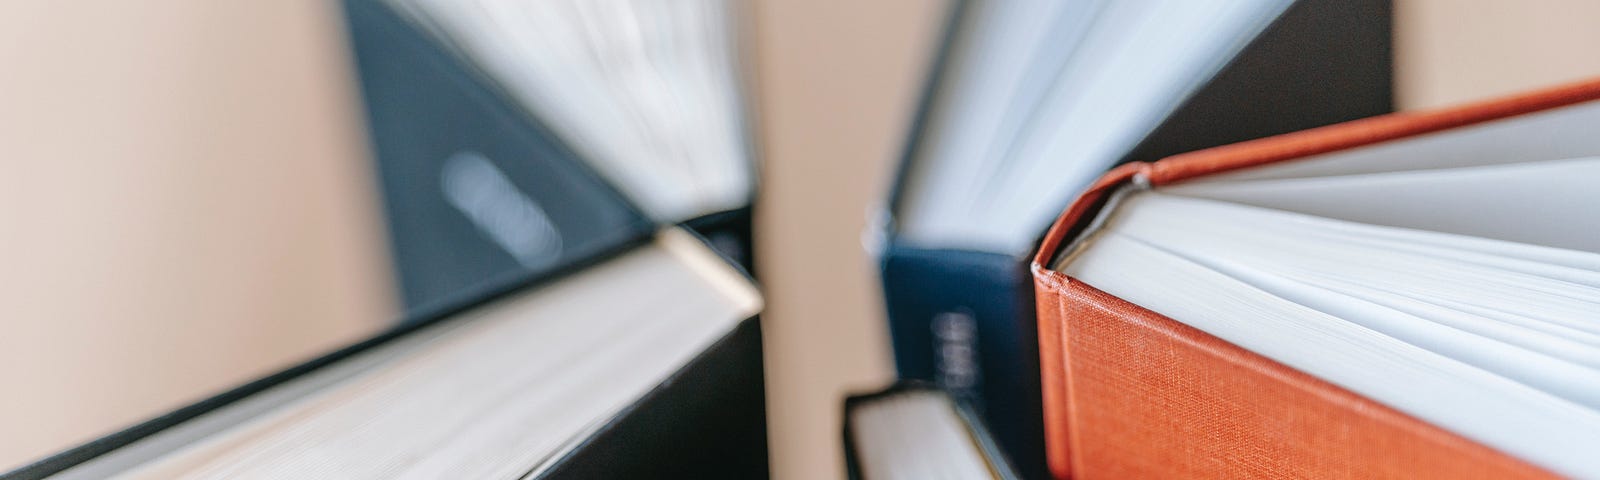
1450	51
838	80
190	174
184	206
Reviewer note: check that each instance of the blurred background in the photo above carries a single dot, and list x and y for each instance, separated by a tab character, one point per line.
189	200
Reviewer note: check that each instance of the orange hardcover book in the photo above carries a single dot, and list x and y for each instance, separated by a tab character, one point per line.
1411	295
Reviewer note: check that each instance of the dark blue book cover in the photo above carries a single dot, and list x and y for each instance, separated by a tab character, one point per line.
474	189
963	320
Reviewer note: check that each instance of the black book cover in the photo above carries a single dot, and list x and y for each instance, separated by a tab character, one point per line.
707	421
1321	62
730	233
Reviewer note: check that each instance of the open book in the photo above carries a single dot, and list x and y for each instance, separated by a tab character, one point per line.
1407	294
1066	88
512	136
648	92
646	363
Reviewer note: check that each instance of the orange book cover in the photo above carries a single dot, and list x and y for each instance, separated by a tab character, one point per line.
1129	393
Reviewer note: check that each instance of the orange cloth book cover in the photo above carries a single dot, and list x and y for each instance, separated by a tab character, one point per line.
1130	393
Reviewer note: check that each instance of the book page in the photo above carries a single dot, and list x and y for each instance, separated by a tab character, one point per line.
1558	133
1008	147
1550	203
915	435
647	92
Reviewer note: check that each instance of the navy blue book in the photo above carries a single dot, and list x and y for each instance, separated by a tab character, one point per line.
1024	107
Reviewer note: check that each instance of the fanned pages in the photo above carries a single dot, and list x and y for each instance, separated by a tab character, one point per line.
1042	96
647	91
1551	202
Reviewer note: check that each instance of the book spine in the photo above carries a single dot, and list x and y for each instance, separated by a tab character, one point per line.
964	321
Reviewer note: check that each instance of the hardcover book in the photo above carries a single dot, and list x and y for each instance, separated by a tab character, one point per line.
474	190
549	376
1411	295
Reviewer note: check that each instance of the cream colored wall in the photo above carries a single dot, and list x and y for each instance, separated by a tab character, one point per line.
838	81
185	205
1449	51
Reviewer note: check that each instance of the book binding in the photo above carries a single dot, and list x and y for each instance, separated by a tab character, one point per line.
960	320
